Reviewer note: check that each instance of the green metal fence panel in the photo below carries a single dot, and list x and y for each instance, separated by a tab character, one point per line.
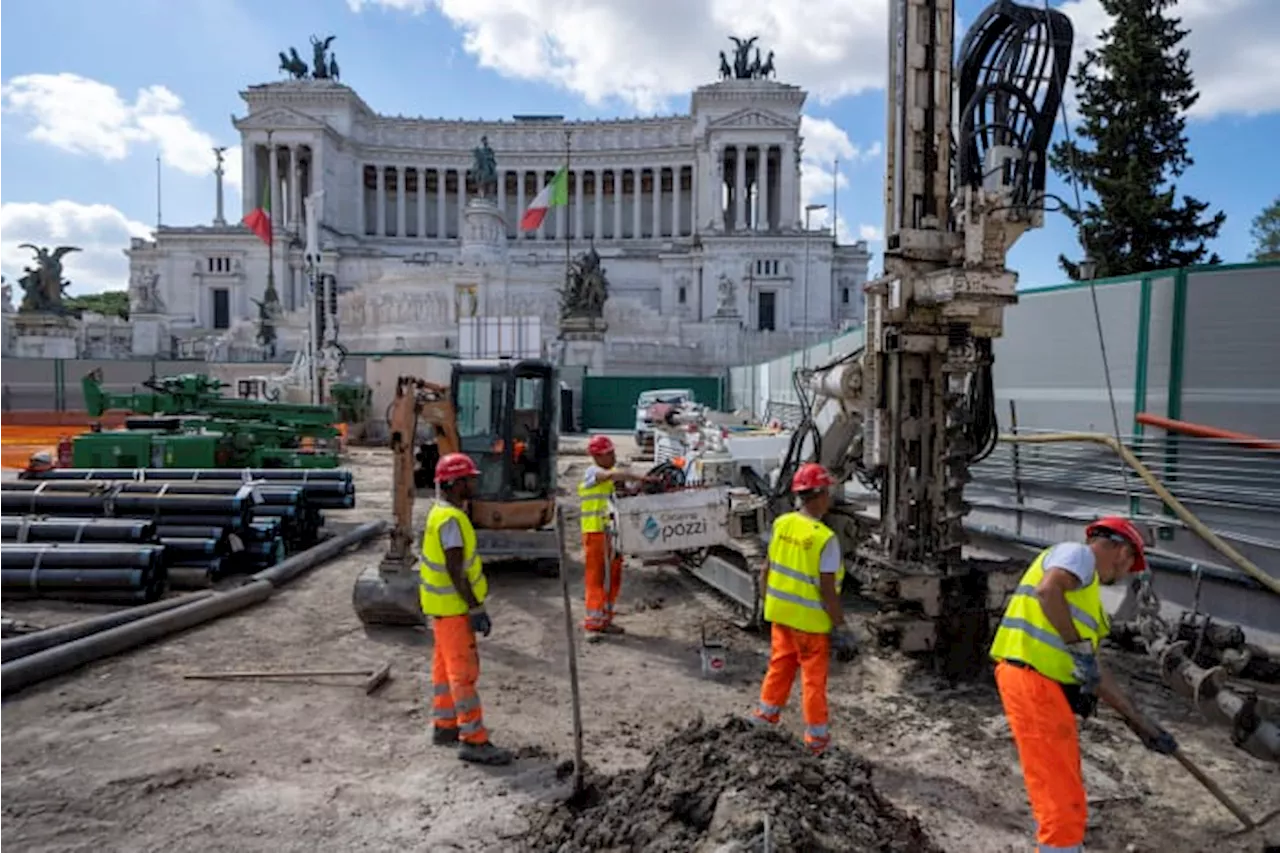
609	402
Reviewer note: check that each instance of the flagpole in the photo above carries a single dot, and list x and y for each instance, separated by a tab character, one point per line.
568	221
159	217
267	298
835	203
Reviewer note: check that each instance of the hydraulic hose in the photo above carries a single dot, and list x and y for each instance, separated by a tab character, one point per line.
1179	509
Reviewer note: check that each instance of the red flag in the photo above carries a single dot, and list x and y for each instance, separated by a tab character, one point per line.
259	221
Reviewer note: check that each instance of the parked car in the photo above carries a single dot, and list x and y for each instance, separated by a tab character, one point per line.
644	429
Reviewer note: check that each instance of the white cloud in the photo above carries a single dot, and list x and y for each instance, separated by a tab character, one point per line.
1232	44
645	53
101	232
871	233
83	116
824	143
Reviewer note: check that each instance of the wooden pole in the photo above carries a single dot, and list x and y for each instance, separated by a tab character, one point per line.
573	653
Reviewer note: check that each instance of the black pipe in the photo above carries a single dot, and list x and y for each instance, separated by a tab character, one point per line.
191	531
33	583
22	529
191	577
190	548
78	556
36	641
229	522
124	505
32	669
1177	565
196	474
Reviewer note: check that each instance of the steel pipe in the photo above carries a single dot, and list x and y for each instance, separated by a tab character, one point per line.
78	556
198	474
28	644
22	529
110	505
283	572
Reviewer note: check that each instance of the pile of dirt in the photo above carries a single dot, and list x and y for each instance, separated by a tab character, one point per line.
720	789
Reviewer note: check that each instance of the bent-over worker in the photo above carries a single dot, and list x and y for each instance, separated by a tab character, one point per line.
1047	671
38	463
801	583
452	590
603	566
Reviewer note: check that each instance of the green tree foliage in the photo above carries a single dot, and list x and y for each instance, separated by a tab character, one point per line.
1134	91
1266	233
107	303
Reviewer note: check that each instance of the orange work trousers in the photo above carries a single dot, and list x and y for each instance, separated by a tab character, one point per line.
810	653
455	668
602	586
1044	730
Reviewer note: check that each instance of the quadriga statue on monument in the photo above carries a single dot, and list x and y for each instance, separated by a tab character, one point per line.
43	286
586	290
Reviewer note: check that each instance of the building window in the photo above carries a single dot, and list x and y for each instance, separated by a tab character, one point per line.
766	311
844	295
218	265
681	296
221	308
768	268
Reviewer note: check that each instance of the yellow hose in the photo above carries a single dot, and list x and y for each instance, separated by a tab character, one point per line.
1222	547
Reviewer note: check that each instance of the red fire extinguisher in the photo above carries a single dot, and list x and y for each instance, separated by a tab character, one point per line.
64	452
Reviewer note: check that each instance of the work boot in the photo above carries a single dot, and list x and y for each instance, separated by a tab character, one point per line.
613	629
484	753
444	737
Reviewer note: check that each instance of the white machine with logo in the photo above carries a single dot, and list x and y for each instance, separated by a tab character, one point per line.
673	521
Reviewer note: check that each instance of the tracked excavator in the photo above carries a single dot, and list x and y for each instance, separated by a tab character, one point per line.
503	414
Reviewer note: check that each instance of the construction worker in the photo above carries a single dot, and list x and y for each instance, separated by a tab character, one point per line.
452	591
801	583
595	490
1047	670
37	463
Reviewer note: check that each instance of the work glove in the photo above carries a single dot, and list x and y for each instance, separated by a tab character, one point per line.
843	645
1155	738
1085	671
480	622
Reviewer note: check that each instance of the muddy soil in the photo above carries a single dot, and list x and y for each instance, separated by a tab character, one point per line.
730	787
126	755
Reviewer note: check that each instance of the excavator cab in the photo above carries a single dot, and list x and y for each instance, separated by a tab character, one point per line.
506	421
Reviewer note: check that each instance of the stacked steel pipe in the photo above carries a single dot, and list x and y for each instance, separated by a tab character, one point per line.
210	522
113	573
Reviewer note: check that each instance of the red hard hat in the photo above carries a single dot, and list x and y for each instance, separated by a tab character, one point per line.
455	466
1123	528
811	476
599	445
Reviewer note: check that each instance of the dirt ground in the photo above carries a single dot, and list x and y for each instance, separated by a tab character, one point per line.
125	755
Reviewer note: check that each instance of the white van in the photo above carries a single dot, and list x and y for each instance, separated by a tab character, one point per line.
644	432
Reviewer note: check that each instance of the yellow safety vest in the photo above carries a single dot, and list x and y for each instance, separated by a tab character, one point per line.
595	505
435	589
1026	634
793	596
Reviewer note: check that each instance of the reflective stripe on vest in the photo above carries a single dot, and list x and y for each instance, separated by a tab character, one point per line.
436	592
1027	635
794	595
595	505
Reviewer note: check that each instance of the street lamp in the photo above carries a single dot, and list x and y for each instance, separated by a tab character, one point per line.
808	211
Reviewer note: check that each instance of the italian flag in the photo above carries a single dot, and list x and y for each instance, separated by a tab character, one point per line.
259	221
554	194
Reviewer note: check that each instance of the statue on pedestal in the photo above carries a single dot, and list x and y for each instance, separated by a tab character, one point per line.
43	286
586	290
726	296
484	169
144	293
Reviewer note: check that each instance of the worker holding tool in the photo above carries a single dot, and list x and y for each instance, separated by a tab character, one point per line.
801	583
1047	670
452	590
603	566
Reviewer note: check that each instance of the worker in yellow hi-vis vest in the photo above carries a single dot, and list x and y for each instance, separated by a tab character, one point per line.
452	590
801	585
603	565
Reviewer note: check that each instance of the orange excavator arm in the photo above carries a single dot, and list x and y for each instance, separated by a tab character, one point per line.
416	400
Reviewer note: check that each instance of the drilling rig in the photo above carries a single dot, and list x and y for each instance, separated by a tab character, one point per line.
965	178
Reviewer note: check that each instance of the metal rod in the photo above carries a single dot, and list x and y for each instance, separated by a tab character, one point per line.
573	652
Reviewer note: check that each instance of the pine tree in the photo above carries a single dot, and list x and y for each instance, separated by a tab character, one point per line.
1134	91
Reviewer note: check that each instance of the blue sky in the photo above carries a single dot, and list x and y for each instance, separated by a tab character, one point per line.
94	91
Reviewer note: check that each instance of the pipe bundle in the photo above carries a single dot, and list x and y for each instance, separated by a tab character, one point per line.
95	572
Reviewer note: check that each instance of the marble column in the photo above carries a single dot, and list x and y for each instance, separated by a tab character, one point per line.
637	207
597	210
362	219
578	177
441	186
676	175
249	179
617	203
657	202
788	207
762	188
502	200
520	178
382	200
422	202
274	164
538	187
316	180
462	201
740	190
402	183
